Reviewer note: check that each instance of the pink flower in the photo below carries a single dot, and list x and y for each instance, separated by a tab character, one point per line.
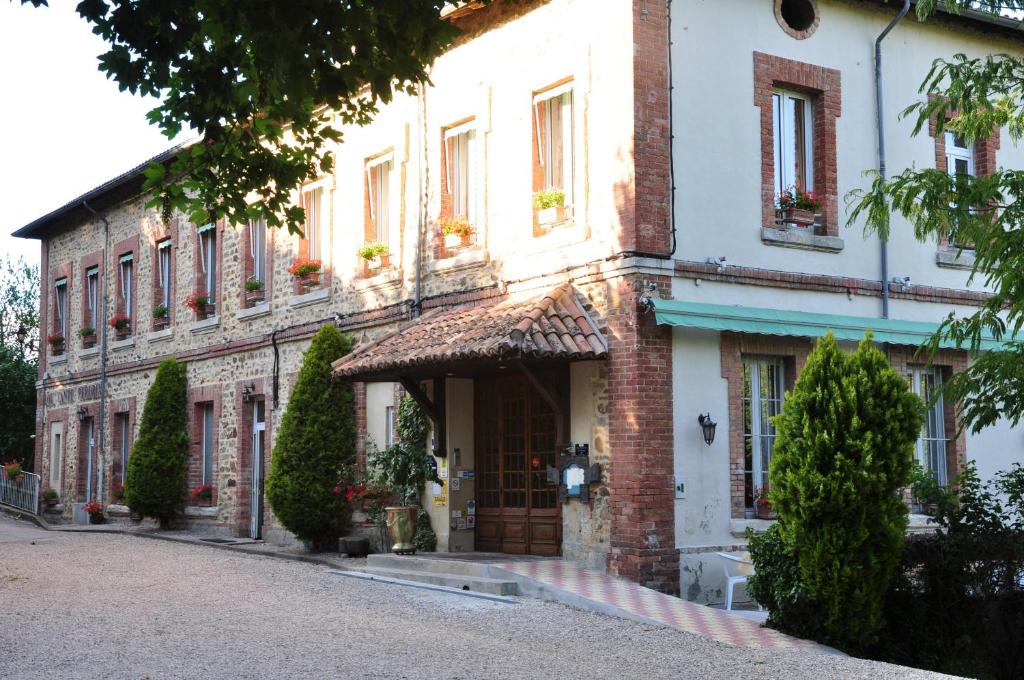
336	489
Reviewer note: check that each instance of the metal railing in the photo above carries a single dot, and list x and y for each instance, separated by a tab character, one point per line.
22	493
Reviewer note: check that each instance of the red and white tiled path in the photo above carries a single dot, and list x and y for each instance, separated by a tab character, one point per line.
649	605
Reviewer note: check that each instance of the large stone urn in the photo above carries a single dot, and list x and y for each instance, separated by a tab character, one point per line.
402	529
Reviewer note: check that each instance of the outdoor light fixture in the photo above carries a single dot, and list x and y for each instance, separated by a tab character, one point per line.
22	336
83	413
708	427
247	391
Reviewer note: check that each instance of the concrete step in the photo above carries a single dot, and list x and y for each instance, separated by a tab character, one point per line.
428	564
477	584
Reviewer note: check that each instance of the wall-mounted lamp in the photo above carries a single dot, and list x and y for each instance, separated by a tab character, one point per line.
707	426
83	413
247	391
22	336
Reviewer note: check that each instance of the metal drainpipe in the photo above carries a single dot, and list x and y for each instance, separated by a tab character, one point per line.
103	344
671	133
421	225
881	146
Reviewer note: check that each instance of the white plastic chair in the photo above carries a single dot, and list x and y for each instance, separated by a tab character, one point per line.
738	568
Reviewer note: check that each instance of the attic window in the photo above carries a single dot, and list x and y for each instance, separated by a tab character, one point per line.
798	18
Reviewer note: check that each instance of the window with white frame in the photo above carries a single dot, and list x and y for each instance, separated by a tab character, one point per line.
56	454
208	260
313	230
378	182
763	389
460	147
389	426
92	290
792	131
959	161
209	455
931	445
258	249
60	306
124	434
553	115
163	272
126	266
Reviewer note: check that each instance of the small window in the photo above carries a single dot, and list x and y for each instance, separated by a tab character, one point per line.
124	441
92	287
798	18
126	266
163	273
459	156
378	181
793	139
209	455
389	426
553	113
312	203
931	445
60	306
763	389
56	454
258	250
208	260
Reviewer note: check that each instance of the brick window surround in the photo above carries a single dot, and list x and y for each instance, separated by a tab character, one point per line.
164	232
538	122
61	272
369	226
199	276
126	246
244	448
824	84
91	261
446	211
301	244
950	362
117	409
794	352
91	413
984	154
249	266
197	397
44	453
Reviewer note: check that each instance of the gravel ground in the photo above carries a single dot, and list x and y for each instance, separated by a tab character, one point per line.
113	606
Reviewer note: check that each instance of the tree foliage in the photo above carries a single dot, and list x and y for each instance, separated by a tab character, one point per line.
18	407
404	468
843	450
262	84
19	303
155	482
971	97
315	447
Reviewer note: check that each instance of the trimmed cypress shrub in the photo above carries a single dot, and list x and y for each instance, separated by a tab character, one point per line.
315	447
843	452
155	482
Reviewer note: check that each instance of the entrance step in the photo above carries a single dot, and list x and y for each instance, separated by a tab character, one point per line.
434	565
477	584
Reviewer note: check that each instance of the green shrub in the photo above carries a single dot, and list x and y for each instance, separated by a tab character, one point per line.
843	452
550	198
155	482
315	447
425	538
777	586
372	250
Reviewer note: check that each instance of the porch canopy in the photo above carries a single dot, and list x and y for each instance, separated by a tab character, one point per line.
801	324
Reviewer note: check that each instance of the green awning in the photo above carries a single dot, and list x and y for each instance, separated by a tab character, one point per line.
801	324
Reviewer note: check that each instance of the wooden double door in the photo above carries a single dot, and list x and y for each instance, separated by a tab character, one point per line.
516	433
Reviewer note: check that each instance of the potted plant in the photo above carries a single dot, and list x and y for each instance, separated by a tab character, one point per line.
550	206
56	341
254	293
457	232
404	469
200	303
88	335
799	208
202	493
161	317
307	272
763	504
50	498
375	254
95	510
12	471
122	326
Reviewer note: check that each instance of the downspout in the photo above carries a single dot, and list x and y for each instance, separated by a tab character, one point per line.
671	135
421	225
881	146
103	347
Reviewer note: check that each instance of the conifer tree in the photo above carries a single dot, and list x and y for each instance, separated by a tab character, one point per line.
155	482
315	448
843	451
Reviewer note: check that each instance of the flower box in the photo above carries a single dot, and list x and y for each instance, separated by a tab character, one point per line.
799	217
550	216
254	297
89	340
375	264
161	323
309	281
122	333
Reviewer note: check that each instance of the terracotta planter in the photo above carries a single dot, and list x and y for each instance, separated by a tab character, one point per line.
96	518
89	341
161	323
205	312
50	502
254	297
549	216
57	350
766	512
798	217
309	281
375	264
402	529
122	333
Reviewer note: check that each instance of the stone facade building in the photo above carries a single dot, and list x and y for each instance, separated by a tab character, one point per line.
662	286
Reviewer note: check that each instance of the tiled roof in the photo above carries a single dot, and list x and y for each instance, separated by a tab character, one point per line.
551	326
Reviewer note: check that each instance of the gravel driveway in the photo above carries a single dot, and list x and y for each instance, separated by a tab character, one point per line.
113	606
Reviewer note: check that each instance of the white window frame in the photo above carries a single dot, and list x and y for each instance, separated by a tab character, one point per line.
207	235
460	170
389	426
314	225
930	448
761	429
545	146
60	292
126	267
783	137
955	152
163	264
92	288
123	423
208	443
258	249
56	454
377	198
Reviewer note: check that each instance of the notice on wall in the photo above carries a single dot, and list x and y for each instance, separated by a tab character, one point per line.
466	474
456	483
442	468
440	495
470	507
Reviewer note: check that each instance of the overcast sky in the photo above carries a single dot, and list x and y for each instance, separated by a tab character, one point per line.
65	127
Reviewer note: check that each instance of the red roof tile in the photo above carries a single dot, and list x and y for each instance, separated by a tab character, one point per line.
551	326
